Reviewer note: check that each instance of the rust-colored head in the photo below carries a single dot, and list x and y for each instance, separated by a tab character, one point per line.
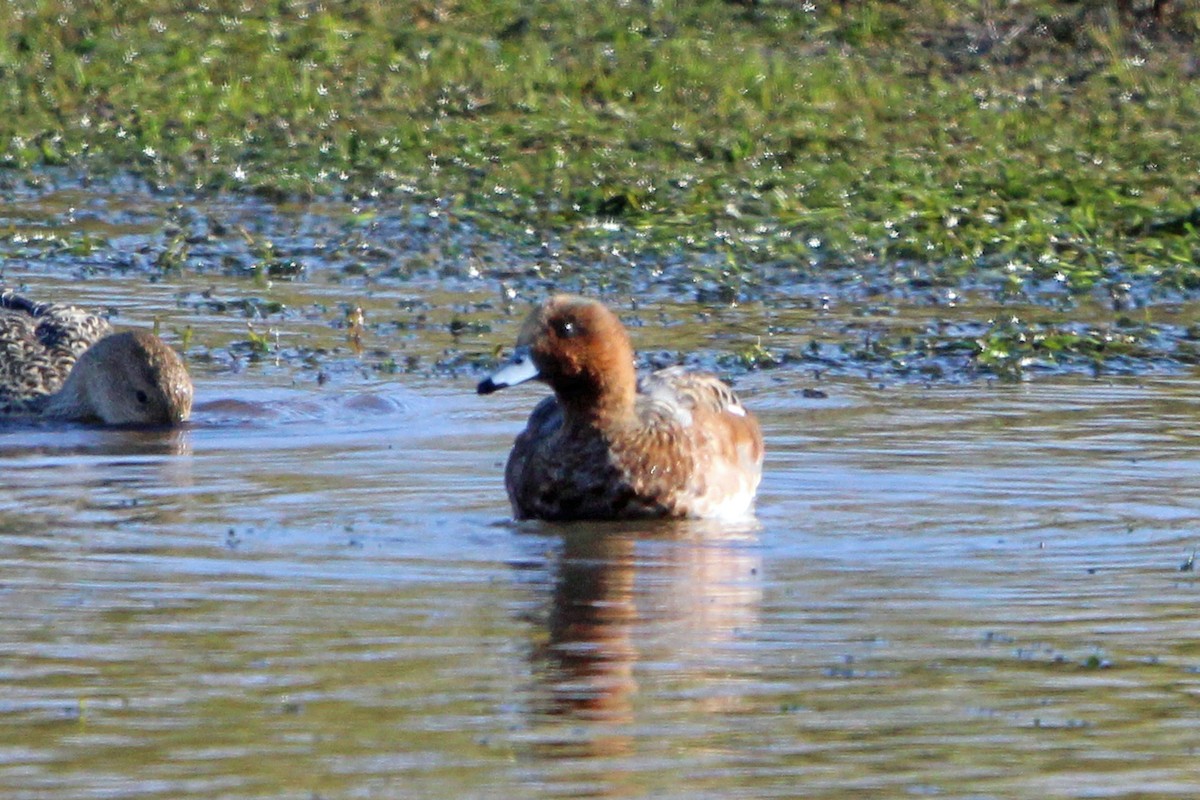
577	346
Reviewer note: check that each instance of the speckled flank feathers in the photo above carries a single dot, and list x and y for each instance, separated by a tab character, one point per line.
606	446
60	361
39	344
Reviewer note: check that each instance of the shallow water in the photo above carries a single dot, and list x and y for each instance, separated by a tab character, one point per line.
314	589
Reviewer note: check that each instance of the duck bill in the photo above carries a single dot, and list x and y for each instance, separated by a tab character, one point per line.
518	369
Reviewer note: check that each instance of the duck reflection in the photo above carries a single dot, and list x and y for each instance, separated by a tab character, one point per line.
647	611
587	657
53	473
52	438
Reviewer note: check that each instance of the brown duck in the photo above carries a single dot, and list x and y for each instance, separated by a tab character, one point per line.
58	361
608	446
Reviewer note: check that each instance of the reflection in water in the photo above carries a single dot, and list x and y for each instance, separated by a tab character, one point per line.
73	476
47	437
676	596
588	656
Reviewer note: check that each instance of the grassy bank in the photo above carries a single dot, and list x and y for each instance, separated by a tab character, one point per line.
1027	141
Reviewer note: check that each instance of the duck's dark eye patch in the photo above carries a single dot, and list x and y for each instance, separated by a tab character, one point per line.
566	328
142	397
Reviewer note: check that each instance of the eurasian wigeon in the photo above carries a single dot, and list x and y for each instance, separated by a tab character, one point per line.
58	361
608	446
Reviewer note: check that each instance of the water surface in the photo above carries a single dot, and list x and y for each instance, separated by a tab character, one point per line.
314	590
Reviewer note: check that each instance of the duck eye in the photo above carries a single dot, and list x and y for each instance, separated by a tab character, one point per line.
142	397
566	329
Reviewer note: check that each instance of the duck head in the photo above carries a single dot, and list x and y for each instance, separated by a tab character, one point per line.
132	378
579	348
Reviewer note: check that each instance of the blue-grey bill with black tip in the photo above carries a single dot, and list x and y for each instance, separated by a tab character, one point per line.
518	369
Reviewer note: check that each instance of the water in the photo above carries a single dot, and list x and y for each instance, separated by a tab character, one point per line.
315	590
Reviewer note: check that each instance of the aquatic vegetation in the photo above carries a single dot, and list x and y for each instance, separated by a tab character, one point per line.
1045	133
757	357
1010	347
260	343
906	154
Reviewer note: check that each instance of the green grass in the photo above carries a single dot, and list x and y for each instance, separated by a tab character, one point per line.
1038	140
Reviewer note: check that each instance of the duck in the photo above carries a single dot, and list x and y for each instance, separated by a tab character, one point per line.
608	446
60	362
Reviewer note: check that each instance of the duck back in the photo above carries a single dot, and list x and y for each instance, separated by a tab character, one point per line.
39	344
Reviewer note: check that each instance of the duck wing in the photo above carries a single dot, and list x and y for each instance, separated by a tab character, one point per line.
710	436
39	343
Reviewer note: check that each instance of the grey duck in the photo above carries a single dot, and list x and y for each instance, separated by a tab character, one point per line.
61	362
